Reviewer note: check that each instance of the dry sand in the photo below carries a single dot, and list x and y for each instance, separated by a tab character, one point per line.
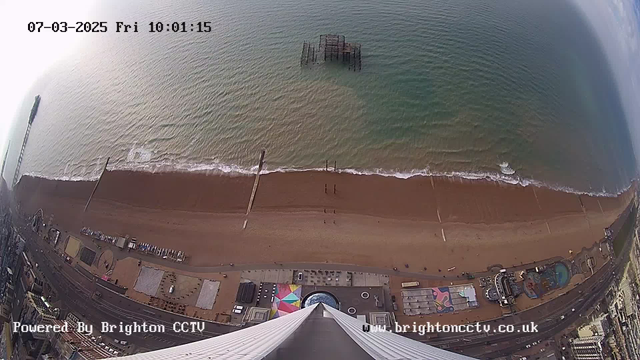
379	221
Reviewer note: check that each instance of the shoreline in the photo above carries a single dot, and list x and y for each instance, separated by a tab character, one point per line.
238	171
435	199
379	221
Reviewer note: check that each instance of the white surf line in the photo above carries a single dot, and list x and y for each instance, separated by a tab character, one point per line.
548	228
439	219
536	195
97	169
443	237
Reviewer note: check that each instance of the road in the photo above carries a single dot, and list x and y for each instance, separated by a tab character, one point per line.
319	266
551	323
74	290
114	308
572	305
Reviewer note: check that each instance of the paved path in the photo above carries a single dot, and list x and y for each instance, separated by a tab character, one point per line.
112	310
75	289
122	254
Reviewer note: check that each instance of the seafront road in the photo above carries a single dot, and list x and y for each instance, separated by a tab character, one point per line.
75	289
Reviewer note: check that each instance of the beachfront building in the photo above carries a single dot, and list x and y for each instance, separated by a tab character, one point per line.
589	348
314	332
37	311
439	300
505	287
598	326
33	344
72	344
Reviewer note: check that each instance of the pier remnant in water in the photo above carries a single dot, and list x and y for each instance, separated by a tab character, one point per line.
330	48
4	162
309	54
32	115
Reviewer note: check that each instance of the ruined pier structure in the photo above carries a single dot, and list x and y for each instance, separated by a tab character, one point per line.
330	48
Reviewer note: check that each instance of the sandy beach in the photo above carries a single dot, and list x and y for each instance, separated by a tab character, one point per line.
378	221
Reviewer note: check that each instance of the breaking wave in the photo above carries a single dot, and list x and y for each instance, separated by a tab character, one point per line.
236	170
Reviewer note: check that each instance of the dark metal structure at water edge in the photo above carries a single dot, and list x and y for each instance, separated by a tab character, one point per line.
330	48
34	111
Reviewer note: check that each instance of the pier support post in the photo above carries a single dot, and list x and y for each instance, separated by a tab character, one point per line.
97	183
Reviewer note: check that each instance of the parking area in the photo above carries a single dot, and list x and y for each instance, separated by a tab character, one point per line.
265	294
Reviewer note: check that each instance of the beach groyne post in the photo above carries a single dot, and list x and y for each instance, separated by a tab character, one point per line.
304	51
255	187
97	183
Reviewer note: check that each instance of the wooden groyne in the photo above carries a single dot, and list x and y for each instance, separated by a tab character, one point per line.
96	187
255	187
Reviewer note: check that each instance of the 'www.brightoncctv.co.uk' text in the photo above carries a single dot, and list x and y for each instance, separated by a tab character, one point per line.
428	327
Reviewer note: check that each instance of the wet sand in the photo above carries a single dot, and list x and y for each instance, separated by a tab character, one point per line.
379	221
